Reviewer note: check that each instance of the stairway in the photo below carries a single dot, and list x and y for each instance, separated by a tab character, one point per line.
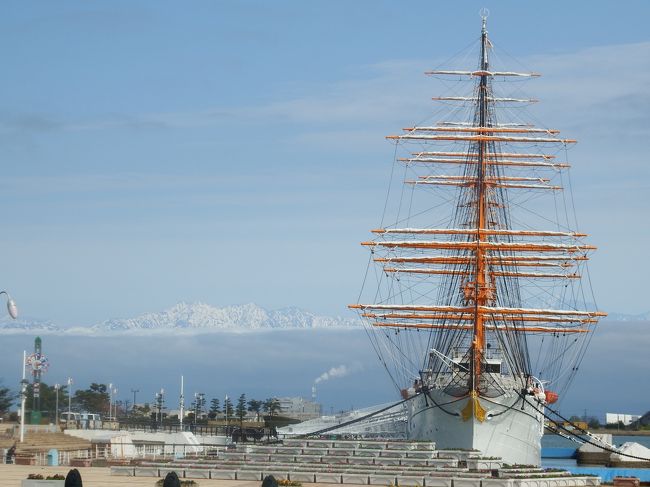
39	442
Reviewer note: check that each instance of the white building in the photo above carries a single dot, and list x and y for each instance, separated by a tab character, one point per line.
626	419
299	408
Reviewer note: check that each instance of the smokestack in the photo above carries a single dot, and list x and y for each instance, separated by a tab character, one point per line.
313	393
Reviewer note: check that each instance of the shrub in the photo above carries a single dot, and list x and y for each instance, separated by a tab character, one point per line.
184	483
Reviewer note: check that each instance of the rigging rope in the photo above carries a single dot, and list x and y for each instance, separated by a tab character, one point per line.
609	448
348	423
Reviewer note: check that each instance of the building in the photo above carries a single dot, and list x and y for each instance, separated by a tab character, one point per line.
299	408
616	418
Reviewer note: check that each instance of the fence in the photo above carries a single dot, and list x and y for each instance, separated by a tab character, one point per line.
126	451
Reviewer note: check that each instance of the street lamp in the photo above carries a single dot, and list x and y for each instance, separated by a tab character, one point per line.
56	388
23	396
12	309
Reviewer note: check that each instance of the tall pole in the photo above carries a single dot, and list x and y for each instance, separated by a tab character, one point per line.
115	403
69	401
196	408
36	372
23	395
56	414
182	404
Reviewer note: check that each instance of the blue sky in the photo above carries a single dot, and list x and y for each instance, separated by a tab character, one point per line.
227	152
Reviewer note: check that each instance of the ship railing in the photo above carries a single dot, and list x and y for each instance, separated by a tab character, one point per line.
459	353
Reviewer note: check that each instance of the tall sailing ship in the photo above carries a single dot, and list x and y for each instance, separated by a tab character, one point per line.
483	309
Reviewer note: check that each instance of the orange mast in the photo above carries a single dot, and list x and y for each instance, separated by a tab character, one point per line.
481	290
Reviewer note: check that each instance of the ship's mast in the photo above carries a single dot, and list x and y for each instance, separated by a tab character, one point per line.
478	252
481	286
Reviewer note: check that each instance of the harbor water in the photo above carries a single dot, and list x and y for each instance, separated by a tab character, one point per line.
556	442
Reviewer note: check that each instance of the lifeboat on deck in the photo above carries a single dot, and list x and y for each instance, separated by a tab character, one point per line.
551	397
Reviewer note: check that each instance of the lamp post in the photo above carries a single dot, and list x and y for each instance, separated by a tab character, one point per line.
12	309
56	414
114	403
23	396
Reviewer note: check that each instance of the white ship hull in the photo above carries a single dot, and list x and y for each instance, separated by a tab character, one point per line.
507	431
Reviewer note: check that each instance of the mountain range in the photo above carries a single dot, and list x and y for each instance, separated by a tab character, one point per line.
199	318
192	319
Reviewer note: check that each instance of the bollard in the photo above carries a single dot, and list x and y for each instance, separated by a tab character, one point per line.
73	479
269	481
171	480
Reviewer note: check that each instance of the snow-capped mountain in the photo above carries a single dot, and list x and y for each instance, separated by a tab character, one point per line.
27	326
203	317
191	319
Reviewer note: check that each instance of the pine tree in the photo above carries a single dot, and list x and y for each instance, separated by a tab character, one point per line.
255	406
241	409
272	406
7	398
215	408
228	407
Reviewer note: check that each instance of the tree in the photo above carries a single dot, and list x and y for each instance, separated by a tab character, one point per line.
271	406
241	409
7	398
255	406
141	411
95	399
198	405
48	398
593	423
215	408
228	407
